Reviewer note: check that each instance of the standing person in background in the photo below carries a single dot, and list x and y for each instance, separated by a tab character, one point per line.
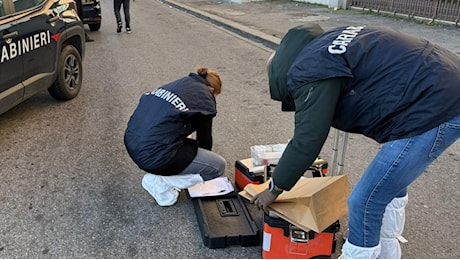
401	91
117	6
157	135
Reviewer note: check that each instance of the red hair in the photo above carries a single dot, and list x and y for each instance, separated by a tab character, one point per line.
212	77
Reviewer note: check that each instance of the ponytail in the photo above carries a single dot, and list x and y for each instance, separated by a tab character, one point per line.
212	77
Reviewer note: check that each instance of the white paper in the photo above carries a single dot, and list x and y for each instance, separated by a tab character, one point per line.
215	187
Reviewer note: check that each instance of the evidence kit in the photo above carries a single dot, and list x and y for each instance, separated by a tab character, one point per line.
225	220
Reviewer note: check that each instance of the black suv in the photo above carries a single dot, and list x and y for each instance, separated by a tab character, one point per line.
90	13
42	43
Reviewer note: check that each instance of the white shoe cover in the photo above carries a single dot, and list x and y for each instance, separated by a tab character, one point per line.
392	227
183	181
350	251
164	194
390	249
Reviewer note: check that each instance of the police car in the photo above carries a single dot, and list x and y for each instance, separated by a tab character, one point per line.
42	43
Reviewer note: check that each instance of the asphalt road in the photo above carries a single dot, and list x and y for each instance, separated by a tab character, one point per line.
68	188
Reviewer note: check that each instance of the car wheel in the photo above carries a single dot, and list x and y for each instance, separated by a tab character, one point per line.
69	77
94	27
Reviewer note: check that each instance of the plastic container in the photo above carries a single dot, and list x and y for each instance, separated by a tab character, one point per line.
224	221
246	173
284	240
267	154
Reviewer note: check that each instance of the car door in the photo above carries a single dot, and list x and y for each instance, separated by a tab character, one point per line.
38	45
11	63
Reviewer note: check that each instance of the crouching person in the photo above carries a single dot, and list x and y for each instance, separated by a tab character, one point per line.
157	135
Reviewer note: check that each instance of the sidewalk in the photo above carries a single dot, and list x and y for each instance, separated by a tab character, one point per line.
267	22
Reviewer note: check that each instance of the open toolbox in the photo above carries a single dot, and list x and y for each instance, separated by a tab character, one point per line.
246	172
225	221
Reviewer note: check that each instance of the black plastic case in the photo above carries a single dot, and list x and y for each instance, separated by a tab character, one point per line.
225	221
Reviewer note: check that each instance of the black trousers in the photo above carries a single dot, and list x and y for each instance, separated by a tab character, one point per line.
117	6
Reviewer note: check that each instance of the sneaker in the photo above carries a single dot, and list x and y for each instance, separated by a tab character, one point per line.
164	194
119	28
128	29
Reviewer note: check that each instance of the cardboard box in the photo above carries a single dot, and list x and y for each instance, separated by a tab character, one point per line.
312	204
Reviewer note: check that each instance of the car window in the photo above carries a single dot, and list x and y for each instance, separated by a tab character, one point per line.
21	5
2	12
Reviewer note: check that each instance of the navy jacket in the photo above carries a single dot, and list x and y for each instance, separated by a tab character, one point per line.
398	85
368	80
160	124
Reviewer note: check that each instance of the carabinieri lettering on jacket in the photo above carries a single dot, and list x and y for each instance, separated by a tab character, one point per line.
170	97
339	45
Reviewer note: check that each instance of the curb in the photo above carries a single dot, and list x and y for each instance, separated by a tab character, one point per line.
258	37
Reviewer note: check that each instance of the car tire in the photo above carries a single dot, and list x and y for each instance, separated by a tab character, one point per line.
94	26
69	76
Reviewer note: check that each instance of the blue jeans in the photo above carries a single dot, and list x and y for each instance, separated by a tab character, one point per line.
206	163
394	168
117	6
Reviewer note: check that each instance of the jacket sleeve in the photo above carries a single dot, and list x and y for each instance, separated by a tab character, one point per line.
203	126
315	105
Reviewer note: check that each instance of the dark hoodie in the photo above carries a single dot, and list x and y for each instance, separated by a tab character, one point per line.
291	45
312	119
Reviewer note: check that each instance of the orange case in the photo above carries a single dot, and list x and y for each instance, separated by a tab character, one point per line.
283	240
243	176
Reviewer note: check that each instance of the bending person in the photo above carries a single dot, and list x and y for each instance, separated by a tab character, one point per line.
401	91
157	135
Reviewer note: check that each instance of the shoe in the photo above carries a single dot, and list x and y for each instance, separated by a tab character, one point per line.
128	29
350	251
119	26
164	194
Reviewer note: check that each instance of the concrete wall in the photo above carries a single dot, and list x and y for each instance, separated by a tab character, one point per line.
341	4
329	3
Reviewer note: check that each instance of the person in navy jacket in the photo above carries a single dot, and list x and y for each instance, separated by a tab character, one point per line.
157	135
400	90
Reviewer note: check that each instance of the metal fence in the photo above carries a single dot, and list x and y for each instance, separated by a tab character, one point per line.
442	10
